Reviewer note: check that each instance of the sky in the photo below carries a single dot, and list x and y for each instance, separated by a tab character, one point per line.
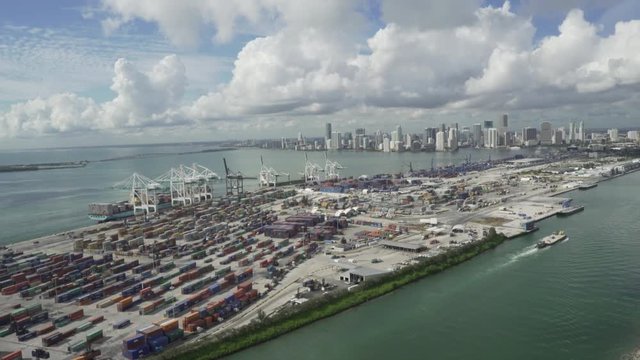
83	72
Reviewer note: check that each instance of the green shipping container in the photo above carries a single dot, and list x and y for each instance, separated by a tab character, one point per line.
62	322
94	335
86	326
79	346
18	312
5	331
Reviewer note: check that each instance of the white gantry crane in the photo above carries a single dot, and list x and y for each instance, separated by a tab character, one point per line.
331	169
311	170
143	194
189	184
204	178
269	176
178	186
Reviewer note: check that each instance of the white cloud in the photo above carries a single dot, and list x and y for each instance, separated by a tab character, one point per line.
182	21
318	60
429	14
142	99
568	66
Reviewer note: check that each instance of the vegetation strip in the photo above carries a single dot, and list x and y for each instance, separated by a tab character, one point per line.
234	340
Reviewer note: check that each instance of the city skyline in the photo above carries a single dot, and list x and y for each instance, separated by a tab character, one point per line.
450	137
117	72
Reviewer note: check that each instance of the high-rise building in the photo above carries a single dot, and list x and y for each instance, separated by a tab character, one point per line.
572	133
505	121
633	135
399	131
452	141
440	141
327	133
488	124
476	133
386	145
557	137
546	133
492	138
336	140
613	134
581	136
529	136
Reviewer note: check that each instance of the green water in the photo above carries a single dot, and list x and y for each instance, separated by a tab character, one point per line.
576	300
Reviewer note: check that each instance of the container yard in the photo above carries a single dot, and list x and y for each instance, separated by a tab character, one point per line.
128	289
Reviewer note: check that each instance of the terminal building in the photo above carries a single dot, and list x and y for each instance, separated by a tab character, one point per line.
360	274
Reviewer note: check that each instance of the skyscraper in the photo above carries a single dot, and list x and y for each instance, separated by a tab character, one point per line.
327	135
546	133
529	136
581	136
492	138
440	141
572	132
505	121
452	143
488	124
336	140
476	133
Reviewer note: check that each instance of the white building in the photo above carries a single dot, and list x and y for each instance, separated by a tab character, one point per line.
557	137
336	140
386	145
452	142
633	135
613	134
440	142
492	138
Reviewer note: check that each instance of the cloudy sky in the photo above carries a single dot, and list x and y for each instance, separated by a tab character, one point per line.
78	72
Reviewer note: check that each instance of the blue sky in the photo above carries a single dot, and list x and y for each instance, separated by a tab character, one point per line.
273	65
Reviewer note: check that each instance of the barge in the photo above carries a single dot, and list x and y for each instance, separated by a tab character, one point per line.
552	239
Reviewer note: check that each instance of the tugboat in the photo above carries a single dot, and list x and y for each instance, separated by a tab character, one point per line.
552	239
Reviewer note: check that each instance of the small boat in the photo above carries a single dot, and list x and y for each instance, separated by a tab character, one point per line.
570	210
552	239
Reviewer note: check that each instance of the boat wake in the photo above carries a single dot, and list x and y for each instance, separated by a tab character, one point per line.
528	251
512	259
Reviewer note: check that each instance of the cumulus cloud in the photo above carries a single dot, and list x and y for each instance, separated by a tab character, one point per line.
182	21
324	58
572	64
142	99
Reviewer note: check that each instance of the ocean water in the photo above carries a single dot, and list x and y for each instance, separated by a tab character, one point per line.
579	299
39	203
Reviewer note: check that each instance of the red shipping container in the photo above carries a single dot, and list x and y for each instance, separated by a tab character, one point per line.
97	319
9	290
78	314
18	277
16	355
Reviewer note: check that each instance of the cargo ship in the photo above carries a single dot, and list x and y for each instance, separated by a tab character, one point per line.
587	186
552	239
102	212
